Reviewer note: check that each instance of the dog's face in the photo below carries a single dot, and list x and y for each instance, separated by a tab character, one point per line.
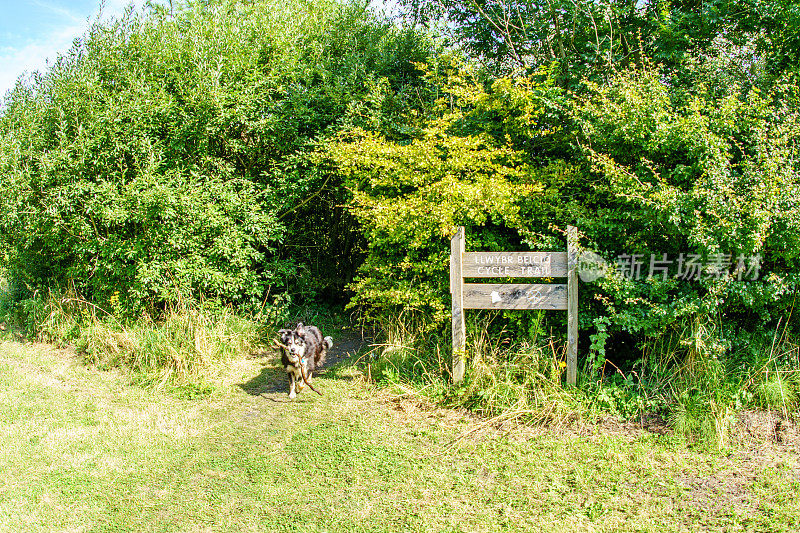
285	335
295	343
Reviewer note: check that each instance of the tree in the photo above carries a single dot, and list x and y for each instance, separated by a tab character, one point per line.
465	166
593	39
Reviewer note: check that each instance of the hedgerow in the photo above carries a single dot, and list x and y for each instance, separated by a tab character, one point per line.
165	158
247	154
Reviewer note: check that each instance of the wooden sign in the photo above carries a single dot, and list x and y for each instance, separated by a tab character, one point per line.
547	296
514	265
508	296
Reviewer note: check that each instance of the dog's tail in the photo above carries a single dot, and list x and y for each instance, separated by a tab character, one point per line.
328	342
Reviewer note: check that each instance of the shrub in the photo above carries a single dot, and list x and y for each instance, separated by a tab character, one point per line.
643	167
410	195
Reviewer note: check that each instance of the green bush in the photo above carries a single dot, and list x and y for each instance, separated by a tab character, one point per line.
653	170
165	158
410	195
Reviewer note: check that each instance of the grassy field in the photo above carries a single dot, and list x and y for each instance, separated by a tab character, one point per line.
83	450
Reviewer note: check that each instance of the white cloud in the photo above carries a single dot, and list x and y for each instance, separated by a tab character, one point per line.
33	56
58	10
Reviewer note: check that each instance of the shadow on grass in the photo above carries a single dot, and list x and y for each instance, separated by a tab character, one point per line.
270	380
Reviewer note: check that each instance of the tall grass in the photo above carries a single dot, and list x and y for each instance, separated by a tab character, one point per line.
525	378
184	348
706	382
512	380
689	377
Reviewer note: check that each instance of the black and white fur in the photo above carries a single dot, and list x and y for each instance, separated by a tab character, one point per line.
305	346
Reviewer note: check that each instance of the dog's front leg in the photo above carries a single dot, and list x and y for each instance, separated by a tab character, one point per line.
292	392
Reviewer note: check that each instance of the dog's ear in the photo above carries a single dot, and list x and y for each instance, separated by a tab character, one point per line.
300	329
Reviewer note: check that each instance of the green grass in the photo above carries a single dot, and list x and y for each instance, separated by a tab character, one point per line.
82	450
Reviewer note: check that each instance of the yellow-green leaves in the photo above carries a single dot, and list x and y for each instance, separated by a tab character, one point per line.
409	196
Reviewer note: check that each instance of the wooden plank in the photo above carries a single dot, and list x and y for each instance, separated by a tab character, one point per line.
551	297
514	265
457	293
572	305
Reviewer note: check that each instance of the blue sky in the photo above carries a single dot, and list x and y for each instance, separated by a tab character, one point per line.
31	31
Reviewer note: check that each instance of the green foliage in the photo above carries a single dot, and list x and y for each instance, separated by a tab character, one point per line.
655	168
410	195
594	40
657	171
691	174
687	170
165	158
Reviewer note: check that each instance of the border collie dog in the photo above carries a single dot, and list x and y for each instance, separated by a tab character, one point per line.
303	346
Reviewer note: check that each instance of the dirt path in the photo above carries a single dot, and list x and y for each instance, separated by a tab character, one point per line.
271	382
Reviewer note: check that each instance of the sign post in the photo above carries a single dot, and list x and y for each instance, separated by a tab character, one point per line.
457	291
572	305
547	296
